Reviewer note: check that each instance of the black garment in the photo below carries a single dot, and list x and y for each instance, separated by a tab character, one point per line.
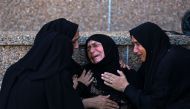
66	28
164	74
42	78
109	64
61	26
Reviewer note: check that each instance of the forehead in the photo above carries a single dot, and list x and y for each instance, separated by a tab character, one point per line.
133	39
92	42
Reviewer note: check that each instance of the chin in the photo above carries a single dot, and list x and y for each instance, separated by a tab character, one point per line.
96	61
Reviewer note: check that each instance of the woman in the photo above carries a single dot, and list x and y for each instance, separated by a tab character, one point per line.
163	76
103	56
67	28
41	79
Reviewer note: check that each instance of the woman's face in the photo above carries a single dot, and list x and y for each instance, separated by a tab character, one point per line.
75	40
95	51
138	49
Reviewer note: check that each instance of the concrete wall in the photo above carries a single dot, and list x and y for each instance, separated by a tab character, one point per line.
92	15
14	45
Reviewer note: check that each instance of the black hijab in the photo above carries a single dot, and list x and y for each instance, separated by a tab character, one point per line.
62	26
111	60
156	43
110	63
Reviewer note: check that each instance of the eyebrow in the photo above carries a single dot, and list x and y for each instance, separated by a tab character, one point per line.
94	43
134	41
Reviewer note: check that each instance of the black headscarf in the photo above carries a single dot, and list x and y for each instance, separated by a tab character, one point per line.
156	43
50	55
110	63
58	55
110	50
61	26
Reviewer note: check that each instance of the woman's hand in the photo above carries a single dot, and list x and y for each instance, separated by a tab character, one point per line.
123	65
75	81
100	102
117	82
86	77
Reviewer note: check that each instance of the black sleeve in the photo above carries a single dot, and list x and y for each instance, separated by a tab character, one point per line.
81	88
60	93
135	78
156	97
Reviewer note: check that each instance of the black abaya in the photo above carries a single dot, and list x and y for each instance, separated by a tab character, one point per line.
164	83
42	78
110	63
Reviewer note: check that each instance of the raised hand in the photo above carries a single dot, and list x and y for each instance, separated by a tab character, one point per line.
86	77
117	82
75	81
123	65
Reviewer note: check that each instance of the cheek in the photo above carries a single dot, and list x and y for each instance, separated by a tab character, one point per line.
144	53
89	55
102	54
142	50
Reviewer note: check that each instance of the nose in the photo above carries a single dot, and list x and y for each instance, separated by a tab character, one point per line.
76	44
91	50
135	49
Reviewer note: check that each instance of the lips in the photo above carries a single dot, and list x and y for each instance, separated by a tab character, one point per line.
94	57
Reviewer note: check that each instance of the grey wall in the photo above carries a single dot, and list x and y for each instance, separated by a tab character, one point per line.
92	15
14	45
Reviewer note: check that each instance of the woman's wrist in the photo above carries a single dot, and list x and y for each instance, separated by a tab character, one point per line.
125	86
88	103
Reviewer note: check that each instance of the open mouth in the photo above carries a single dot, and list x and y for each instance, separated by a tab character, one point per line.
95	58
